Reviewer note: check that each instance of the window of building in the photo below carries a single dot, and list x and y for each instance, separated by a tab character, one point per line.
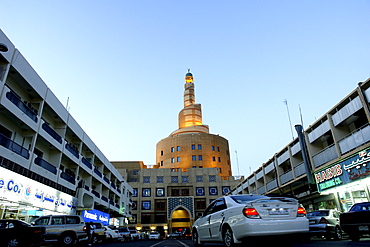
199	146
212	178
199	179
193	147
225	190
146	205
160	192
185	179
133	219
178	159
174	179
175	192
160	179
219	159
199	191
213	148
172	160
213	191
134	205
146	192
161	152
160	205
135	172
218	149
161	162
172	149
134	192
146	180
200	157
160	218
178	148
194	158
200	204
146	218
213	158
185	192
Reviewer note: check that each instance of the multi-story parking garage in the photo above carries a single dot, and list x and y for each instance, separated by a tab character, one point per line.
48	164
328	164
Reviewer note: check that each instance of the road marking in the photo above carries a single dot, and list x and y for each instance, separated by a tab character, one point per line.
183	243
157	243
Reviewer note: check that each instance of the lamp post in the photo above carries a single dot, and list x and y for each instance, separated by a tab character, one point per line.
3	47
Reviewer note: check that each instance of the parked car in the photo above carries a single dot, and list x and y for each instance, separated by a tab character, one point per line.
154	235
175	235
66	230
20	233
325	223
124	233
99	235
135	235
111	234
356	222
234	218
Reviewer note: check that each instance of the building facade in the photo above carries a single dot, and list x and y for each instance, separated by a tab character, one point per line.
192	169
328	165
48	164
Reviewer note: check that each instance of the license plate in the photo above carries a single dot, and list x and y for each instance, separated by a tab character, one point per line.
363	228
279	212
312	222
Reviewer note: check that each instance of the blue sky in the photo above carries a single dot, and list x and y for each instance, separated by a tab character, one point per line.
122	66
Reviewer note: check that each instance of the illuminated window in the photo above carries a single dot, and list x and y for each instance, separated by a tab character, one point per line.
200	157
178	159
213	191
213	148
146	192
200	146
172	160
193	147
194	158
146	205
160	192
178	148
172	149
134	192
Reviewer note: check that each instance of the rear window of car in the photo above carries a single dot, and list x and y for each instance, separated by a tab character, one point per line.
72	220
242	199
318	213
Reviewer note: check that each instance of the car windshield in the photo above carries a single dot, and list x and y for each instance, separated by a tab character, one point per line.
242	199
318	213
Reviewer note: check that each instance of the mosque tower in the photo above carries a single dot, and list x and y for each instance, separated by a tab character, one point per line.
191	145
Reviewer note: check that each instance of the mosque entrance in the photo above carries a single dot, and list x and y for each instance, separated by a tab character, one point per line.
180	222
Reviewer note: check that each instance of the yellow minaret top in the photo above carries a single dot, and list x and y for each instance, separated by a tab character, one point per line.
190	117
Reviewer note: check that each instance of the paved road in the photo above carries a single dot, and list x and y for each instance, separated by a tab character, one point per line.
187	243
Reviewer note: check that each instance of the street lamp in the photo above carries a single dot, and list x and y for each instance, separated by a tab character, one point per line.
3	47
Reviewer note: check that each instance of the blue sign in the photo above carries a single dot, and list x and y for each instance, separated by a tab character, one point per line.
354	168
95	216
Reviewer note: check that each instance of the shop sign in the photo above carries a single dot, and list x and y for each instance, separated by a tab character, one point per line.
95	216
343	172
20	189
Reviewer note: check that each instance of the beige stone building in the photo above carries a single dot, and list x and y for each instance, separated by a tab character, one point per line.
192	169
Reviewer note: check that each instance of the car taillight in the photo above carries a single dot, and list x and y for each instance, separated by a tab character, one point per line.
84	228
301	212
323	221
251	213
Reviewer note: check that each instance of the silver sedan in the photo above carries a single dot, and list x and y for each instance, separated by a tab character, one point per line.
235	218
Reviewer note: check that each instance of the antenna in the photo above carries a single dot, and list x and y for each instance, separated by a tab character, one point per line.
300	113
237	162
290	122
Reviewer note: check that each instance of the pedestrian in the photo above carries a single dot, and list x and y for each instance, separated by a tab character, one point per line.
90	227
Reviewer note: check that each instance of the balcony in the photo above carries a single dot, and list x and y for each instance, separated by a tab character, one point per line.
68	178
106	179
86	163
52	132
46	165
286	177
355	139
23	106
325	156
97	172
104	198
95	193
13	146
271	185
299	169
73	150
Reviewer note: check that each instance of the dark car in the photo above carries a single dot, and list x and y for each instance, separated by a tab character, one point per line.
325	223
356	222
124	233
20	233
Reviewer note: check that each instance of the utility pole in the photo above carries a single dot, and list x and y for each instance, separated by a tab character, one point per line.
290	122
